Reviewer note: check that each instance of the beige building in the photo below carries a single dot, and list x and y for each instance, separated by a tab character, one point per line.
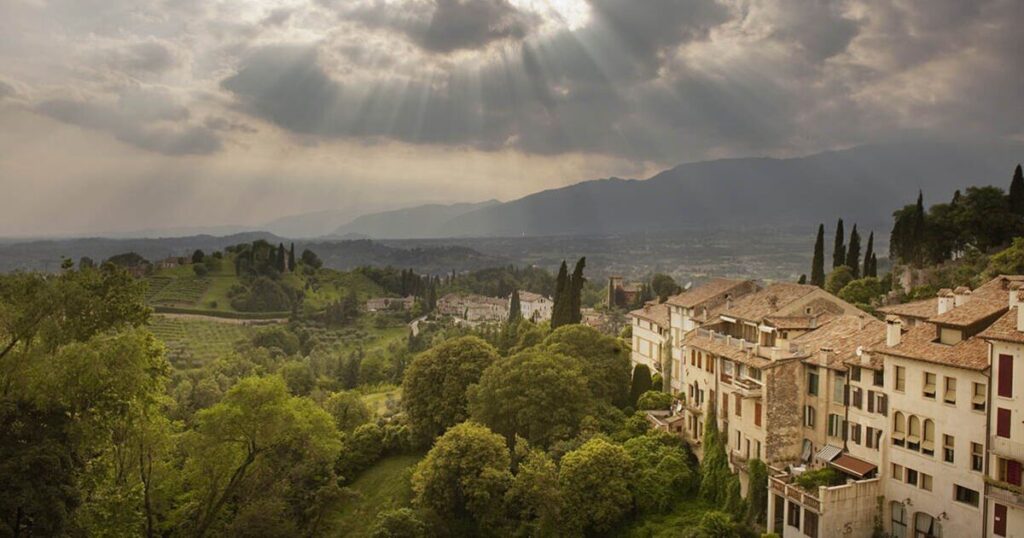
651	338
473	308
534	306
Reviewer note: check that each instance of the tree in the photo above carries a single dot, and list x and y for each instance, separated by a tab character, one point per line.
434	389
1016	195
559	311
604	360
869	255
310	259
664	286
716	524
86	262
641	383
537	395
861	291
577	282
663	474
818	263
853	254
714	468
291	257
653	400
399	523
200	269
282	259
757	493
348	410
464	477
257	439
198	256
595	480
1009	261
802	280
839	247
515	309
534	498
838	279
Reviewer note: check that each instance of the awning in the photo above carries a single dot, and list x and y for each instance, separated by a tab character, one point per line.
828	453
855	466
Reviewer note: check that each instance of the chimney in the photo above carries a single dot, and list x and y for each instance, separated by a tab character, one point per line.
1015	294
728	301
860	322
1020	310
961	295
893	331
946	300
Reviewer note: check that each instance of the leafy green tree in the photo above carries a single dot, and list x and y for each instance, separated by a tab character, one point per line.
853	253
360	449
716	524
641	383
534	499
663	474
838	279
277	338
595	480
310	259
465	476
537	395
714	467
839	246
861	291
348	409
604	359
664	286
399	523
654	399
434	389
1016	195
757	492
255	440
198	256
298	376
818	263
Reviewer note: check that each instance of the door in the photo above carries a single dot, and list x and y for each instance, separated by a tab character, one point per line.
999	521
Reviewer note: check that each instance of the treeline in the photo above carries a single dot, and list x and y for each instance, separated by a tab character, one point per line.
260	267
982	219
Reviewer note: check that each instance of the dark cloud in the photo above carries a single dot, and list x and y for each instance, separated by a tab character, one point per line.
145	120
218	123
444	26
278	17
144	57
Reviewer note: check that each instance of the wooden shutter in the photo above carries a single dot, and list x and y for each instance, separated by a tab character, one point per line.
871	401
1006	376
757	413
883	405
1003	422
999	522
1013	472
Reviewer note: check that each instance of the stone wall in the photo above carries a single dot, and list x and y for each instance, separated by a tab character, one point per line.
783	416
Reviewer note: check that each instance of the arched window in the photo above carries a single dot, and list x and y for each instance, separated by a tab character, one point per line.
913	433
899	429
899	520
928	437
925	526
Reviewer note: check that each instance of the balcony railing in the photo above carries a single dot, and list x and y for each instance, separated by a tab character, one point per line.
795	493
1007	448
752	348
748	388
1004	493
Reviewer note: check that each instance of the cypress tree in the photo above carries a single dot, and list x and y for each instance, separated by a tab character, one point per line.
291	258
818	265
853	253
574	315
802	279
641	383
560	307
515	309
1017	192
917	231
281	258
868	253
839	248
874	265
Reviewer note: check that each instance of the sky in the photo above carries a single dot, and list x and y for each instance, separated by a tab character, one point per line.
119	115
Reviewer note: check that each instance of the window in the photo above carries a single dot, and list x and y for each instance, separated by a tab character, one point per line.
965	495
879	378
950	393
1006	376
869	437
913	433
899	429
739	441
928	438
793	518
926	482
979	397
948	449
855	433
711	364
858	398
928	390
739	404
757	413
855	373
1003	422
835	425
900	373
839	389
725	405
871	401
812	382
910	476
810	524
899	519
977	457
757	452
897	472
1010	471
809	416
925	526
882	405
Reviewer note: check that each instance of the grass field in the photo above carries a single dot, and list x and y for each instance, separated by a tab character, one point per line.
384	486
192	343
183	291
382	398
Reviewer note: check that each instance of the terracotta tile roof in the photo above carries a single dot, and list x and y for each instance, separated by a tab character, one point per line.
730	349
714	290
657	313
798	322
1004	328
842	335
983	305
922	309
920	343
531	297
770	300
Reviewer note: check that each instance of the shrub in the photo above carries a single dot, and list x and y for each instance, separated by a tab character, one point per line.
200	269
826	476
654	400
400	523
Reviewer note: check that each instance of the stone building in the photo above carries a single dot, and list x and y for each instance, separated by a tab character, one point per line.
651	337
534	306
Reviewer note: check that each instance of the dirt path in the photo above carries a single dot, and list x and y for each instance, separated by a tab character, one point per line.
232	321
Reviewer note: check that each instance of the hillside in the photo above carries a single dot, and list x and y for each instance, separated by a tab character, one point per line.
411	223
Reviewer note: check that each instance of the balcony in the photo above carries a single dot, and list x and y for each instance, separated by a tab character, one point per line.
748	388
1004	493
794	493
1007	448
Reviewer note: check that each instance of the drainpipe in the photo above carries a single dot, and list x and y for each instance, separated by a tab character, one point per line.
988	437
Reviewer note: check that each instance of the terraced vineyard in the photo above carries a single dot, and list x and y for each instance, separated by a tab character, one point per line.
156	285
185	291
192	343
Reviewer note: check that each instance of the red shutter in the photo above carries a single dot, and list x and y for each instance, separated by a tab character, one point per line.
1006	376
999	525
1003	422
757	413
1013	472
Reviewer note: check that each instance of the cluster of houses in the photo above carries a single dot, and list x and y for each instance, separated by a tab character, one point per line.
477	309
921	415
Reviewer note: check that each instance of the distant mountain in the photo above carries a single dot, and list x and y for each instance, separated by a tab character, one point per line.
417	222
864	184
314	224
